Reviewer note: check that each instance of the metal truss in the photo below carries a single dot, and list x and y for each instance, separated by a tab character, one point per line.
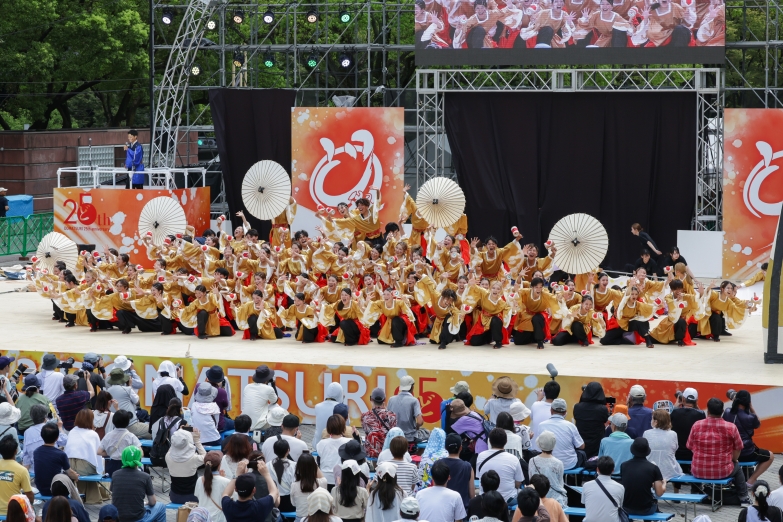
432	145
753	76
173	85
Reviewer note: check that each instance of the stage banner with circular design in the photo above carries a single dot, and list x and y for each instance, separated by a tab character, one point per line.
752	188
110	217
338	154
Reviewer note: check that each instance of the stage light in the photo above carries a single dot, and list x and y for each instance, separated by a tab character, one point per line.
312	60
200	142
345	17
268	17
269	60
195	70
167	17
312	16
211	25
238	16
239	58
345	60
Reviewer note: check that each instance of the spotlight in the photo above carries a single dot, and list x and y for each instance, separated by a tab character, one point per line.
239	58
312	16
312	60
238	16
269	60
345	17
345	60
268	17
195	70
211	25
168	16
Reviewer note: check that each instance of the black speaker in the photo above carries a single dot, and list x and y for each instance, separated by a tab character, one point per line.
88	248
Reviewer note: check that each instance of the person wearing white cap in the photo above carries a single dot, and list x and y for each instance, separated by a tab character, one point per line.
618	444
127	366
385	496
685	414
409	509
640	415
407	408
171	375
349	497
320	507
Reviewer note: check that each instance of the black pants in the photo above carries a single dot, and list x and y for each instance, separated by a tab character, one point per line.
124	319
619	38
399	331
577	334
693	329
446	336
57	312
309	334
252	326
375	329
167	326
97	324
71	318
537	335
493	335
137	186
475	38
716	324
350	331
201	323
680	329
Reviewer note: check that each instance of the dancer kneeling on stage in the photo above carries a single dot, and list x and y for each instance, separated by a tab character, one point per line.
532	304
308	329
580	324
491	326
347	315
633	315
396	320
681	307
722	311
256	318
205	315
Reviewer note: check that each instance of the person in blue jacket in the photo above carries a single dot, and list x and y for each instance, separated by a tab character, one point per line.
134	158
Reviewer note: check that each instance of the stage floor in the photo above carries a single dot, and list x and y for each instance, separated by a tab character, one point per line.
737	359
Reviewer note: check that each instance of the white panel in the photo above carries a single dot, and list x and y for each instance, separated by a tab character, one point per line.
703	250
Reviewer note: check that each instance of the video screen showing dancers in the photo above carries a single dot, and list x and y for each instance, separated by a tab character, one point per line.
508	32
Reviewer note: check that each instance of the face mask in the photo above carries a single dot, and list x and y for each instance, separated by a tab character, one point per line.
454	255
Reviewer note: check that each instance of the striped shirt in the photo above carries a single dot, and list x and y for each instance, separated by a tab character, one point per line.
407	476
69	404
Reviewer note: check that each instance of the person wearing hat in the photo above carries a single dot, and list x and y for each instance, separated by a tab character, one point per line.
290	433
590	417
459	387
184	458
51	379
407	408
130	487
7	383
275	420
259	396
640	415
217	379
352	450
320	507
376	423
385	495
350	496
618	444
108	513
30	397
127	366
247	508
205	414
127	399
409	509
87	372
170	374
640	478
72	401
4	204
570	446
9	415
549	466
63	486
469	424
685	414
504	394
323	410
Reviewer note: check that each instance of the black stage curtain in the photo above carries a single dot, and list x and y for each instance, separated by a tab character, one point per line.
528	159
250	125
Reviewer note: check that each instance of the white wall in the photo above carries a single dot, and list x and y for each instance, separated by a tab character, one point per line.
703	251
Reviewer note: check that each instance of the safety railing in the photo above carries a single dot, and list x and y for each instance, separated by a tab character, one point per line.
97	177
21	235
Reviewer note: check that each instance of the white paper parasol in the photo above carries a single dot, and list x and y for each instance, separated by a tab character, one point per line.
581	243
441	202
57	247
266	189
163	217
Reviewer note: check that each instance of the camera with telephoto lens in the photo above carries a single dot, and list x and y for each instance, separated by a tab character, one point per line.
731	394
67	364
19	371
253	464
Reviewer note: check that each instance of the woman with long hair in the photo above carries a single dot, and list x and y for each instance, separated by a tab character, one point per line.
352	330
102	414
385	495
160	404
209	488
307	478
82	451
742	415
518	438
172	418
237	447
59	511
20	509
760	510
282	471
32	395
349	497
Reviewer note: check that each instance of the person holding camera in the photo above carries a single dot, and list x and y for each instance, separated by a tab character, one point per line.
742	415
183	459
128	400
247	508
73	401
92	362
134	157
259	396
51	379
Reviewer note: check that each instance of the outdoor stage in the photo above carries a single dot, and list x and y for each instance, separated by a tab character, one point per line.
303	370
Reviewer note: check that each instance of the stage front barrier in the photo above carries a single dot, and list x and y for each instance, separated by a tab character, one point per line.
301	386
110	217
21	235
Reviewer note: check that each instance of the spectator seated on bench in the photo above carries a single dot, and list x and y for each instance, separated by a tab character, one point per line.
541	484
602	496
63	486
529	506
130	486
51	460
639	478
116	440
716	446
743	416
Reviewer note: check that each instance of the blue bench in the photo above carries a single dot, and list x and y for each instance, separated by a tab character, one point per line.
580	512
38	496
690	479
174	506
291	515
146	443
227	434
146	462
694	499
213	448
747	467
94	478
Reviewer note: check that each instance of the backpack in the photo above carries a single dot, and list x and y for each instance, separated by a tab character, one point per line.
469	443
162	443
